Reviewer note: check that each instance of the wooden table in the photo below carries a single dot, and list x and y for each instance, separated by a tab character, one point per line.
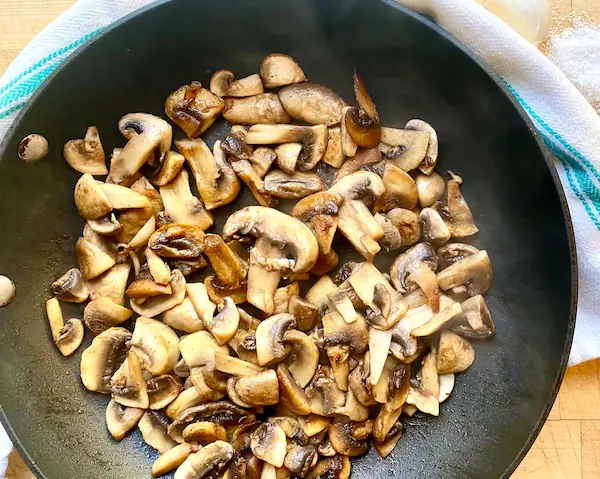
569	444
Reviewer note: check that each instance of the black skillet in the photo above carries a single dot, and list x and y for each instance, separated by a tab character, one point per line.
413	70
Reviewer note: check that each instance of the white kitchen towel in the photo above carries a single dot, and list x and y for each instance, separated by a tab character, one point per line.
567	123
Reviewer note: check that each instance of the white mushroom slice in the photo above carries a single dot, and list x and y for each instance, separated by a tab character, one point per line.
363	279
287	156
260	389
111	284
181	205
121	419
230	269
159	304
430	188
261	159
355	220
103	313
431	156
298	185
433	227
303	360
207	462
223	83
460	219
87	155
122	198
190	397
248	174
159	270
310	103
156	345
426	395
92	260
318	293
334	154
162	390
379	345
446	386
7	290
107	226
278	69
455	354
153	427
406	149
202	304
349	147
474	271
400	190
90	199
204	432
140	240
173	458
199	348
268	443
234	366
67	336
264	108
224	325
146	133
339	359
102	358
282	297
170	167
340	301
128	386
270	334
275	134
217	183
313	424
70	287
438	321
425	278
183	317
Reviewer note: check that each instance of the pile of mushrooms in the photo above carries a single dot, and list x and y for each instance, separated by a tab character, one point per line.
253	353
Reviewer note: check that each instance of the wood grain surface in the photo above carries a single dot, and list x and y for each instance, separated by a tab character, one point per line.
568	446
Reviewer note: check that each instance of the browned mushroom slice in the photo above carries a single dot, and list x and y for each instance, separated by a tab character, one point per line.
426	279
204	433
385	447
146	288
270	346
355	220
313	424
68	335
223	83
406	149
350	438
193	108
189	398
358	384
362	121
438	321
458	217
453	252
310	103
282	297
217	292
334	154
102	313
303	358
177	241
434	229
181	205
227	265
364	158
92	260
392	240
261	159
385	421
261	389
255	184
400	190
355	335
121	419
269	444
320	211
71	287
110	284
431	156
409	262
349	147
430	188
290	392
297	185
408	224
278	69
210	461
474	272
189	265
172	459
223	325
216	182
305	312
156	345
86	155
287	156
336	467
90	199
475	321
299	459
170	167
234	366
127	385
425	392
318	293
136	220
264	108
455	354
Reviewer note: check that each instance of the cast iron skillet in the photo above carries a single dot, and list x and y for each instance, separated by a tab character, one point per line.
412	69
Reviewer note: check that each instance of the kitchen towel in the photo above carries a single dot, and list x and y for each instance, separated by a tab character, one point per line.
567	123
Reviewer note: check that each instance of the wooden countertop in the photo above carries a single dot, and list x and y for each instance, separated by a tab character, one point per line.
569	444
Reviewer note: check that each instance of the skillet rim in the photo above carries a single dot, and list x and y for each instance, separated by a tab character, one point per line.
507	93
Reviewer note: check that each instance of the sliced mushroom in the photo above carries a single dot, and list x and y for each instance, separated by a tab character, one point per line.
400	190
434	229
170	167
287	156
181	205
408	262
268	443
318	293
459	218
123	198
425	392
349	147
362	121
476	321
278	69
202	304
290	392
110	284
304	357
320	211
358	384
408	224
310	103
270	347
364	279
153	426
379	345
107	225
297	185
183	317
103	313
218	293
193	108
190	265
210	461
204	433
446	386
438	321
33	148
392	239
261	159
193	396
92	260
227	265
430	188
121	419
177	241
385	422
137	222
355	220
261	389
353	409
67	336
348	438
337	332
156	345
146	133
278	235
282	297
224	325
87	155
71	287
455	354
127	385
198	349
255	184
264	108
453	252
406	149
334	154
385	447
431	156
163	390
299	459
90	199
336	467
305	313
153	306
234	366
102	358
474	272
223	83
146	288
364	158
173	458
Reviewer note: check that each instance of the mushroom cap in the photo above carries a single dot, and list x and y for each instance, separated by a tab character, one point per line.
476	321
86	155
431	156
177	241
400	190
433	227
193	108
408	224
268	443
455	353
223	83
361	185
33	147
408	262
263	108
199	348
297	185
156	305
121	419
430	188
474	271
310	103
261	389
102	358
346	439
90	199
335	467
204	432
224	325
320	203
303	360
153	426
156	344
163	390
287	233
278	69
270	337
71	287
452	252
